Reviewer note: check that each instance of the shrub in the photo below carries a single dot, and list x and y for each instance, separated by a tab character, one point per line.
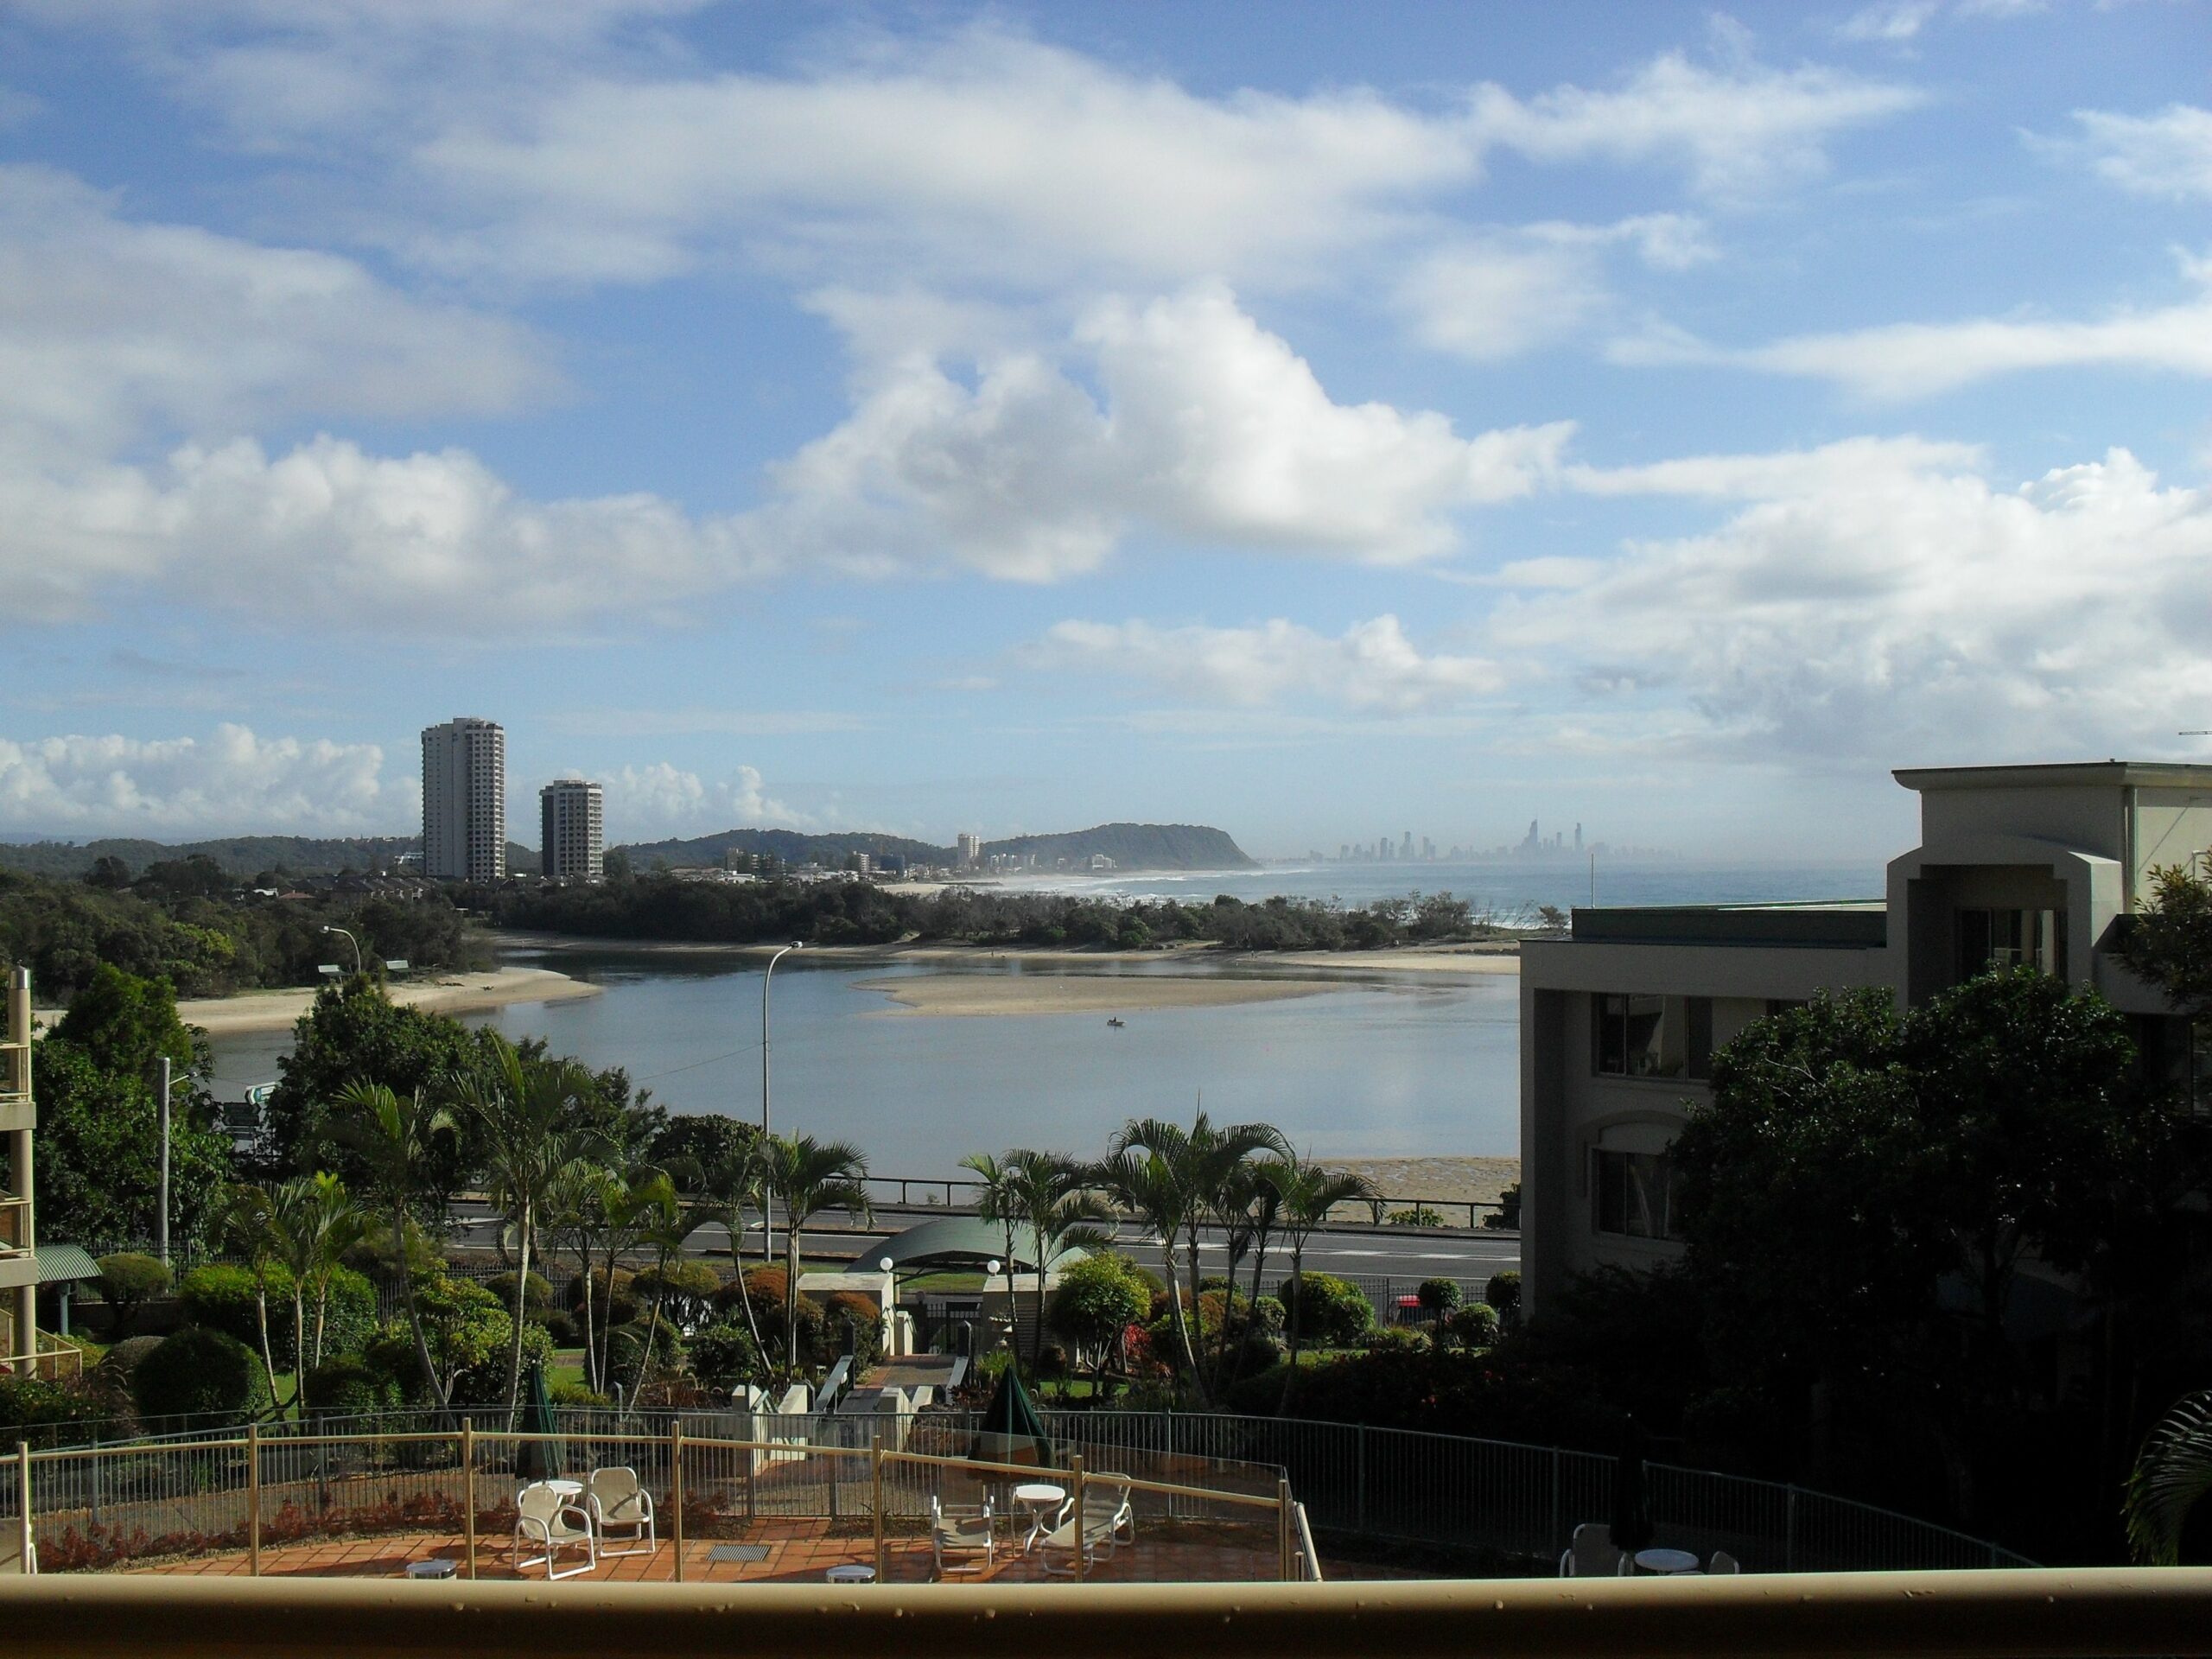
537	1296
485	1383
1507	1213
1329	1312
1475	1324
685	1292
1420	1216
222	1298
1504	1292
1099	1299
351	1387
1438	1296
722	1356
764	1288
850	1310
565	1330
29	1404
128	1281
201	1369
123	1358
625	1300
625	1353
1392	1338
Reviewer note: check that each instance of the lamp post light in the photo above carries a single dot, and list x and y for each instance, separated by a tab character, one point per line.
767	1188
355	942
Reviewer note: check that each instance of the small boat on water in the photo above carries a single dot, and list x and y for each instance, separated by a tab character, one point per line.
1115	1021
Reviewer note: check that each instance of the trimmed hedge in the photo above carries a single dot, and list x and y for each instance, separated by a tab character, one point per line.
1329	1312
201	1369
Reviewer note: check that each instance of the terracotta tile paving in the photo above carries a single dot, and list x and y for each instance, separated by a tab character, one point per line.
799	1552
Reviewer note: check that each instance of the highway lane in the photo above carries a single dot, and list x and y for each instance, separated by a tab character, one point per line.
1396	1252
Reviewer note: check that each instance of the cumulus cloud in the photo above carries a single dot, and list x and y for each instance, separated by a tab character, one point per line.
111	327
231	782
2168	154
1863	607
661	799
1493	296
1371	668
1209	429
1914	359
1892	25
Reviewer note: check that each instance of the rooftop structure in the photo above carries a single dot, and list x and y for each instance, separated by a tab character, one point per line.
2017	865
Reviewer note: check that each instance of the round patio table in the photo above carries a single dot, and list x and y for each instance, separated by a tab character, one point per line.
438	1567
1041	1499
849	1573
1667	1562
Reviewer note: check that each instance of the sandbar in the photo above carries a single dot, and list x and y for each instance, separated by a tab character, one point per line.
494	988
1454	1180
978	995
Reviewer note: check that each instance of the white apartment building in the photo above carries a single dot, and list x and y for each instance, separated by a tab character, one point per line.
2032	865
465	801
971	850
571	819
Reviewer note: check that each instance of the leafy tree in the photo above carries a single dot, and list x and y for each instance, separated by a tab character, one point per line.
108	872
355	1035
128	1281
2168	942
401	1146
1307	1192
1099	1299
99	1137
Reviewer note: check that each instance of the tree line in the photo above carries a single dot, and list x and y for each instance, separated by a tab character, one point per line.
178	922
662	906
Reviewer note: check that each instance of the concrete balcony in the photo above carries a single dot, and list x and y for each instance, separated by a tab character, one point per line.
18	1262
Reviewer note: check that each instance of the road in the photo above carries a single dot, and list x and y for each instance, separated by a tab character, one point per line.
1350	1251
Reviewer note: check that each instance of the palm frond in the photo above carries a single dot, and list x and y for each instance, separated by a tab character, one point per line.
2174	1470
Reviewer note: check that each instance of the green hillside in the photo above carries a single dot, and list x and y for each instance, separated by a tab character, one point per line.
1133	847
242	857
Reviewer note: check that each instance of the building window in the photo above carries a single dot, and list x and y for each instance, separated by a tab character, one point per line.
1637	1035
1631	1194
2011	938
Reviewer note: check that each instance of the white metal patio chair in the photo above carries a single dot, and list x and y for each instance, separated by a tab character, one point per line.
1722	1562
617	1500
545	1519
961	1534
1064	1537
1592	1555
1109	1516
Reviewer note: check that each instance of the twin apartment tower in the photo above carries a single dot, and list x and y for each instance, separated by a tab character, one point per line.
465	810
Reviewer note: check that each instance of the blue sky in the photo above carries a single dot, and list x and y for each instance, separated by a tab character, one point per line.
1296	419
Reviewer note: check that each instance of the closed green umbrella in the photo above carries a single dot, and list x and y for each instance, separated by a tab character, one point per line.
538	1459
1011	1430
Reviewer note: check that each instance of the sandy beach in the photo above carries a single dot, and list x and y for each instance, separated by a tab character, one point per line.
976	995
221	1016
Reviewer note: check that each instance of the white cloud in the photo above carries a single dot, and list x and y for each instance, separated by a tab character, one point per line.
1371	668
1491	296
1877	609
1211	429
1914	360
111	327
1779	474
644	802
2167	155
1892	23
1738	129
231	782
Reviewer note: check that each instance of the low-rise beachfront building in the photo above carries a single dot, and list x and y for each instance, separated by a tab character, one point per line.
2030	865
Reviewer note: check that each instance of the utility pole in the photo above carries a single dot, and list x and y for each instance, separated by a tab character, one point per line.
767	1192
161	1219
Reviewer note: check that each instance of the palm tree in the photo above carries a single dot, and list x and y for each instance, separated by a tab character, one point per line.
525	1112
1307	1192
732	1182
1051	1193
314	1222
249	1222
1148	1186
998	1201
393	1137
2173	1471
575	1209
810	1176
665	1222
1186	1173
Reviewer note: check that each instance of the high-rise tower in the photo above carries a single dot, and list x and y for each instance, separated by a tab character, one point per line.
570	819
465	801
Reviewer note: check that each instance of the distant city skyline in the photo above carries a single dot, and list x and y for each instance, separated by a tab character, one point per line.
1654	416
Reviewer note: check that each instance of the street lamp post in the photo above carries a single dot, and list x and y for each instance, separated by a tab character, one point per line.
356	943
767	1188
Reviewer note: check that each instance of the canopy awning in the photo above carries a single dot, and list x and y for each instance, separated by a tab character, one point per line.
62	1264
954	1242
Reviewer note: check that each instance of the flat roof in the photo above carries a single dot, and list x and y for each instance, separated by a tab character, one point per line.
1830	925
2110	774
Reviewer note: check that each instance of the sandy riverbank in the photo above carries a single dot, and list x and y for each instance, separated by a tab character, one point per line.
223	1016
1489	957
1461	1180
974	996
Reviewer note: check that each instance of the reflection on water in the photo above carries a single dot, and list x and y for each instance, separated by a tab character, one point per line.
1389	1065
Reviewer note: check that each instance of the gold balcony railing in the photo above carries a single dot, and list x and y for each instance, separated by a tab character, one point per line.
2086	1613
15	1213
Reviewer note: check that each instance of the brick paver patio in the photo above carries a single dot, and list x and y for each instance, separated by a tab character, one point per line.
799	1552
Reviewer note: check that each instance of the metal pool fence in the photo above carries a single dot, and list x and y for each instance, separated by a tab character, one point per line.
1515	1506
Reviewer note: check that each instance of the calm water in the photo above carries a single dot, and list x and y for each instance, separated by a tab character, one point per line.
1390	1065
